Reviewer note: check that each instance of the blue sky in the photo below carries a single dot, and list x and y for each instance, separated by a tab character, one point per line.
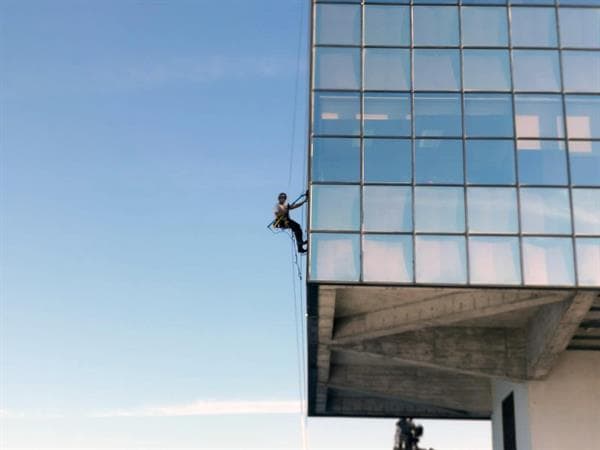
142	147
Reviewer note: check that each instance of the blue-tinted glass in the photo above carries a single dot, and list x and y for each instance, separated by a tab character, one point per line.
494	260
484	26
492	210
588	261
440	259
387	69
334	257
536	70
435	25
579	27
542	162
531	2
439	209
388	160
582	71
387	208
586	211
539	116
437	70
583	116
387	115
425	2
438	115
387	25
387	258
336	159
439	161
337	68
346	1
337	113
533	27
488	115
484	2
585	163
548	261
486	70
385	1
335	207
545	211
578	2
337	24
490	162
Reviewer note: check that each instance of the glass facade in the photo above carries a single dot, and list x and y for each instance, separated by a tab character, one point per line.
455	142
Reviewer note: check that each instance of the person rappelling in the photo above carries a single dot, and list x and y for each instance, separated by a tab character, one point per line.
283	221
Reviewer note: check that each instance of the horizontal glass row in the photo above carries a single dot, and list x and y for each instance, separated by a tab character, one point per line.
441	161
441	26
474	2
492	260
441	209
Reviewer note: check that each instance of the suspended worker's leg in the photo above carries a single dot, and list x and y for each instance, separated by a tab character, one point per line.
297	230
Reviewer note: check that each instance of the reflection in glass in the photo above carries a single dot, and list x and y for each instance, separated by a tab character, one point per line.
439	161
439	209
387	25
494	260
581	71
440	259
490	162
424	2
336	113
579	27
486	70
387	114
545	210
583	116
533	27
488	115
387	259
585	163
337	68
492	210
388	160
435	25
531	2
536	70
334	257
548	261
586	211
335	208
539	116
542	162
484	27
387	69
588	261
336	159
578	2
337	24
387	208
436	70
438	115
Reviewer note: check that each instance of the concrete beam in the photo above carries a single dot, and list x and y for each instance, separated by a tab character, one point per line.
325	330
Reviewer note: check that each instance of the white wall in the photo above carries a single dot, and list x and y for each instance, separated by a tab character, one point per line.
500	390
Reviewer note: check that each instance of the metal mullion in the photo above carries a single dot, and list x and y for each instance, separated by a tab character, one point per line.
310	140
362	134
413	142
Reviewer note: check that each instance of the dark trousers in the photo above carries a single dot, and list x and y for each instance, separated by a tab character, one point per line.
296	229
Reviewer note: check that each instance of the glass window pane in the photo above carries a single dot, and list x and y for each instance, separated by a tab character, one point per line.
586	211
424	2
488	115
435	25
387	208
334	257
337	68
579	27
388	160
337	24
548	261
490	162
585	163
387	115
532	2
336	159
387	69
536	70
583	116
437	70
337	113
582	71
387	25
533	27
484	2
578	2
387	259
345	1
438	115
542	162
335	208
588	261
486	70
539	116
494	260
545	210
439	209
441	259
439	161
384	1
492	210
484	27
